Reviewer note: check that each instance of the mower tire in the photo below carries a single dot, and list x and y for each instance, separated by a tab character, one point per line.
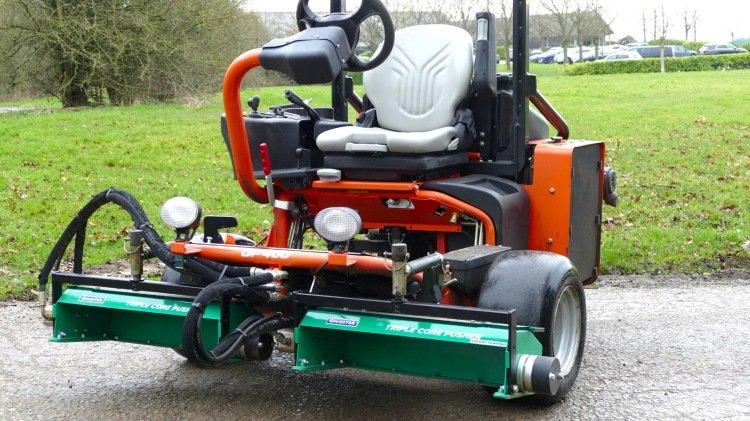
546	291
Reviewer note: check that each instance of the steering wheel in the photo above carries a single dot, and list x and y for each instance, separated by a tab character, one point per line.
350	23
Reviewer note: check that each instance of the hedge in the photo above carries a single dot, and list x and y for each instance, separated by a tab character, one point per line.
684	64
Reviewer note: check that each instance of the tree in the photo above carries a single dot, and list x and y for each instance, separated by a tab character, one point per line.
690	21
125	51
582	27
504	27
407	13
404	13
371	34
661	24
599	24
627	39
589	25
561	13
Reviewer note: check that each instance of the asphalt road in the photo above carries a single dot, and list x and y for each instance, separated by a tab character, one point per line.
657	348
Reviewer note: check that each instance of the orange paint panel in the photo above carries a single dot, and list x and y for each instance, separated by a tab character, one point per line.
549	196
339	259
431	211
279	234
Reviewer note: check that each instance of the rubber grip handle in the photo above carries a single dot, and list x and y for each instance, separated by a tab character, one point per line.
264	159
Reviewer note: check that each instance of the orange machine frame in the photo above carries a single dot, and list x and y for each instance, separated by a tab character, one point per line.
550	196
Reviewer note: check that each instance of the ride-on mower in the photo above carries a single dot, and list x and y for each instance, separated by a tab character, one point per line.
454	234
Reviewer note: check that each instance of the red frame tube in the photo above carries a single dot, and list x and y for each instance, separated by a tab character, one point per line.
287	258
243	163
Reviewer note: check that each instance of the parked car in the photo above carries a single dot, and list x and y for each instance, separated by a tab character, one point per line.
710	49
611	49
637	44
623	55
574	55
653	51
549	55
535	54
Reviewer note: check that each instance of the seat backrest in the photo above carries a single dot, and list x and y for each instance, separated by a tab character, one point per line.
427	75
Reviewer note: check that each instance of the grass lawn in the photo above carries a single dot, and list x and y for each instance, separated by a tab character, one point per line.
680	143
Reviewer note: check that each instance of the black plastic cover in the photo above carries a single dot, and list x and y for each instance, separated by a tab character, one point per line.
469	265
586	211
284	136
315	55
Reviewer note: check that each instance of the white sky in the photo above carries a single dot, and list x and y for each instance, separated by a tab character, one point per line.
717	18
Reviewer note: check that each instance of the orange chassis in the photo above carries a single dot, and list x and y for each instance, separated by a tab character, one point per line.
550	203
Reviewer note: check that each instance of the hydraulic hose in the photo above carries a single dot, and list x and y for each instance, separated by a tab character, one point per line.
249	290
78	224
210	270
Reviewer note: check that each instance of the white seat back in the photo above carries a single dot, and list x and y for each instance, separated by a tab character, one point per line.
420	85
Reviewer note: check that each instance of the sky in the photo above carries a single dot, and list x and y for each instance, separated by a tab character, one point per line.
717	18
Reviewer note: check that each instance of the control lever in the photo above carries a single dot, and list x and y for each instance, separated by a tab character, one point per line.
253	103
299	153
296	100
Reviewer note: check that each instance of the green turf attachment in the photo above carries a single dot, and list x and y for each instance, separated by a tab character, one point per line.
90	314
472	352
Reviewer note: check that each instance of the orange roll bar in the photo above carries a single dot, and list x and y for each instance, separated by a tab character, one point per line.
243	163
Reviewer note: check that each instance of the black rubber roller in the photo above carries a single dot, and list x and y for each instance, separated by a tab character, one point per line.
538	374
545	375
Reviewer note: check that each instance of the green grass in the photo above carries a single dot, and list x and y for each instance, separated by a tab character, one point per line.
546	70
680	143
540	70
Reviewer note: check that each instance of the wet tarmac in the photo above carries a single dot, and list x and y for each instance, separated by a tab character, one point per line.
657	348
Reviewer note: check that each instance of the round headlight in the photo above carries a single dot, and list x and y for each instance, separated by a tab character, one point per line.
337	225
181	212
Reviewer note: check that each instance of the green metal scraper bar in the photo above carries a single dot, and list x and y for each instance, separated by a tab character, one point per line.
91	314
473	352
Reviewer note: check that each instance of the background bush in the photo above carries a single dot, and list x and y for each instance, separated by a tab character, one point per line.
685	64
693	45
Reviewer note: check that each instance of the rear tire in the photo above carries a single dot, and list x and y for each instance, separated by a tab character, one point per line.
546	291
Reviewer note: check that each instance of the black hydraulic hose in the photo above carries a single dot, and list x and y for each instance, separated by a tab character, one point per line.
250	327
227	270
212	271
78	224
248	289
252	278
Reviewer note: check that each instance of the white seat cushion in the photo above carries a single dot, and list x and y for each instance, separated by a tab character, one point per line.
427	75
415	93
375	139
